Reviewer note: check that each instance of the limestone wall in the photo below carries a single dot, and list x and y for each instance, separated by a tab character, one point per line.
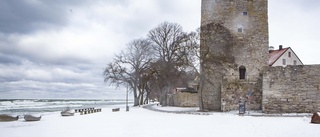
233	34
186	99
291	89
235	90
221	22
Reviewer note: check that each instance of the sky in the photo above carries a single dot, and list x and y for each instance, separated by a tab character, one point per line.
58	49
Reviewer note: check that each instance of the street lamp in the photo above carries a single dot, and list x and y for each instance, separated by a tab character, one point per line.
127	107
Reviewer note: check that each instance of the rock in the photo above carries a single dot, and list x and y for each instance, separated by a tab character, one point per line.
315	118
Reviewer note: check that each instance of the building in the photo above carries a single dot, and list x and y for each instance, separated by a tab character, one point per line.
185	97
283	57
236	67
234	46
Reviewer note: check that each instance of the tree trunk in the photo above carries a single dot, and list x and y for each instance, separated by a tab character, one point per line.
201	94
141	98
136	101
146	100
164	98
135	98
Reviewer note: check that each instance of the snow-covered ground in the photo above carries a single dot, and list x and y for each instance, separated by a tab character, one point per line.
139	122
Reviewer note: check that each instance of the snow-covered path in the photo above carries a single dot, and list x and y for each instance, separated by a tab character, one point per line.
139	122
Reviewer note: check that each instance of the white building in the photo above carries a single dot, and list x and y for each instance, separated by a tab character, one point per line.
283	57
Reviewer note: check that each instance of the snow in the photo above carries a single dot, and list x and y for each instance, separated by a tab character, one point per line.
168	108
140	122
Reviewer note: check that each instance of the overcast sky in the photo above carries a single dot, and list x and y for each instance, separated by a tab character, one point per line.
59	48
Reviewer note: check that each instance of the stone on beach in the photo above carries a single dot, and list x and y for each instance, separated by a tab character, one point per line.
315	118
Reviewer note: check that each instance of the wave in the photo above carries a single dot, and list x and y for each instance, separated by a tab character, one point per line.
22	106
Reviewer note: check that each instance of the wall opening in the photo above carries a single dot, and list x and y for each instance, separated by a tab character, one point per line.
242	72
240	28
245	13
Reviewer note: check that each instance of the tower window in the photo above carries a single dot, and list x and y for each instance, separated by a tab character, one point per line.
245	13
242	72
239	29
294	62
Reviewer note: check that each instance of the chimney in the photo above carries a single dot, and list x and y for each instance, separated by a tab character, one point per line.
271	48
280	47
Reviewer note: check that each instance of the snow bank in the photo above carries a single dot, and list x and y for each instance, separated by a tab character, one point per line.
139	122
168	108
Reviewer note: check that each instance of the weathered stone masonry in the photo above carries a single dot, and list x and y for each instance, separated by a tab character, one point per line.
291	89
186	99
235	91
234	35
234	61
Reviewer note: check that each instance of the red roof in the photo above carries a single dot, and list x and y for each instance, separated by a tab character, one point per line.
275	55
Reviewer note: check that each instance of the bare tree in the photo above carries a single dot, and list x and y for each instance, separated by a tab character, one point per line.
153	67
171	46
128	67
216	43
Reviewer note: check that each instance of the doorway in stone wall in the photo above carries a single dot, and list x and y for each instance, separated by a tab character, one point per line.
242	72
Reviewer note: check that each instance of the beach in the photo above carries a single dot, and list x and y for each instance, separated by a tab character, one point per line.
141	122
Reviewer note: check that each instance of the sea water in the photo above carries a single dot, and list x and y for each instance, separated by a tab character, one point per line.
41	106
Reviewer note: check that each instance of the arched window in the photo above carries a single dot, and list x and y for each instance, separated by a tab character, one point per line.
242	72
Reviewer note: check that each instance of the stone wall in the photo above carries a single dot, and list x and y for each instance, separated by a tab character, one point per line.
233	34
235	91
291	89
186	99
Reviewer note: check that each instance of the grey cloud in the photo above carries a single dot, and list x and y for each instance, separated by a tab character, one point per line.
13	52
50	73
9	59
55	82
25	16
22	89
58	48
9	79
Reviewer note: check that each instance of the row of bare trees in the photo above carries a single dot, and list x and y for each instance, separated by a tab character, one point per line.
152	67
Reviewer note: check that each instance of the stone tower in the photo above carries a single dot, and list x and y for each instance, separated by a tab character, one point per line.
234	50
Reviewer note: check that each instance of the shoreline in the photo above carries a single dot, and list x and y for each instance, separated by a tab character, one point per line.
38	106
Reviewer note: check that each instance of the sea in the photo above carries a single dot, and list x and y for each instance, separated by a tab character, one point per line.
46	106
